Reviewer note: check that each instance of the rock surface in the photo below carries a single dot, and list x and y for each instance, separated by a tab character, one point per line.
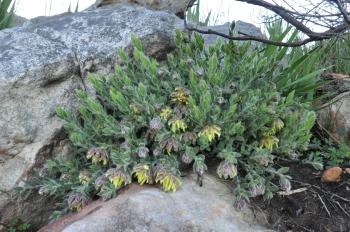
334	116
18	20
242	27
175	6
147	208
42	63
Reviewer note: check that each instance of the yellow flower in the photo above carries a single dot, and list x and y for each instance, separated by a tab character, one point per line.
143	174
170	145
84	177
165	113
169	181
135	109
210	132
180	96
117	177
277	124
77	201
269	142
97	155
177	125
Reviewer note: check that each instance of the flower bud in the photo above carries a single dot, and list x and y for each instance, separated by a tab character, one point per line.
84	177
200	72
97	155
43	171
157	152
170	145
226	169
142	152
190	138
125	145
155	124
190	61
285	184
77	201
240	204
186	158
257	190
160	72
43	190
100	182
221	100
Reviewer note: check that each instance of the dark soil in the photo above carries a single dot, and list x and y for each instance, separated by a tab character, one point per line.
322	207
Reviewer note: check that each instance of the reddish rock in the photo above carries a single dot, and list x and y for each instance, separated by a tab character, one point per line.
332	174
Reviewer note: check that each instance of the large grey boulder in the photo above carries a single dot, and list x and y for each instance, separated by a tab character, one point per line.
240	26
18	20
147	208
174	6
41	65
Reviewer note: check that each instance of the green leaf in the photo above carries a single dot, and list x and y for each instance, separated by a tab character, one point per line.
290	98
61	113
81	94
118	98
283	170
136	42
306	78
94	106
213	65
6	14
142	90
205	102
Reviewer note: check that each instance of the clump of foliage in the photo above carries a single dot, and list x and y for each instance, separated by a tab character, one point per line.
337	54
6	13
193	15
223	102
326	152
293	69
16	226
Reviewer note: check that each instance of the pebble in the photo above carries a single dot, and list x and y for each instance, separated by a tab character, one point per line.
347	170
332	175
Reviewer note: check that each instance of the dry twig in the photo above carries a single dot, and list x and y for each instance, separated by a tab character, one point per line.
288	193
324	205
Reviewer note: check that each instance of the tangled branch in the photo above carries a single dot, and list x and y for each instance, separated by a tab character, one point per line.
333	15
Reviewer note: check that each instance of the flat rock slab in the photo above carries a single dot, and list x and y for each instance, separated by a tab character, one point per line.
148	208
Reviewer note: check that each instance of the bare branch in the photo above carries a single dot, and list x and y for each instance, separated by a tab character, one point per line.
343	11
322	13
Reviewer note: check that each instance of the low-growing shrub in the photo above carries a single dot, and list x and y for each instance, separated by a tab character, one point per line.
150	117
327	154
